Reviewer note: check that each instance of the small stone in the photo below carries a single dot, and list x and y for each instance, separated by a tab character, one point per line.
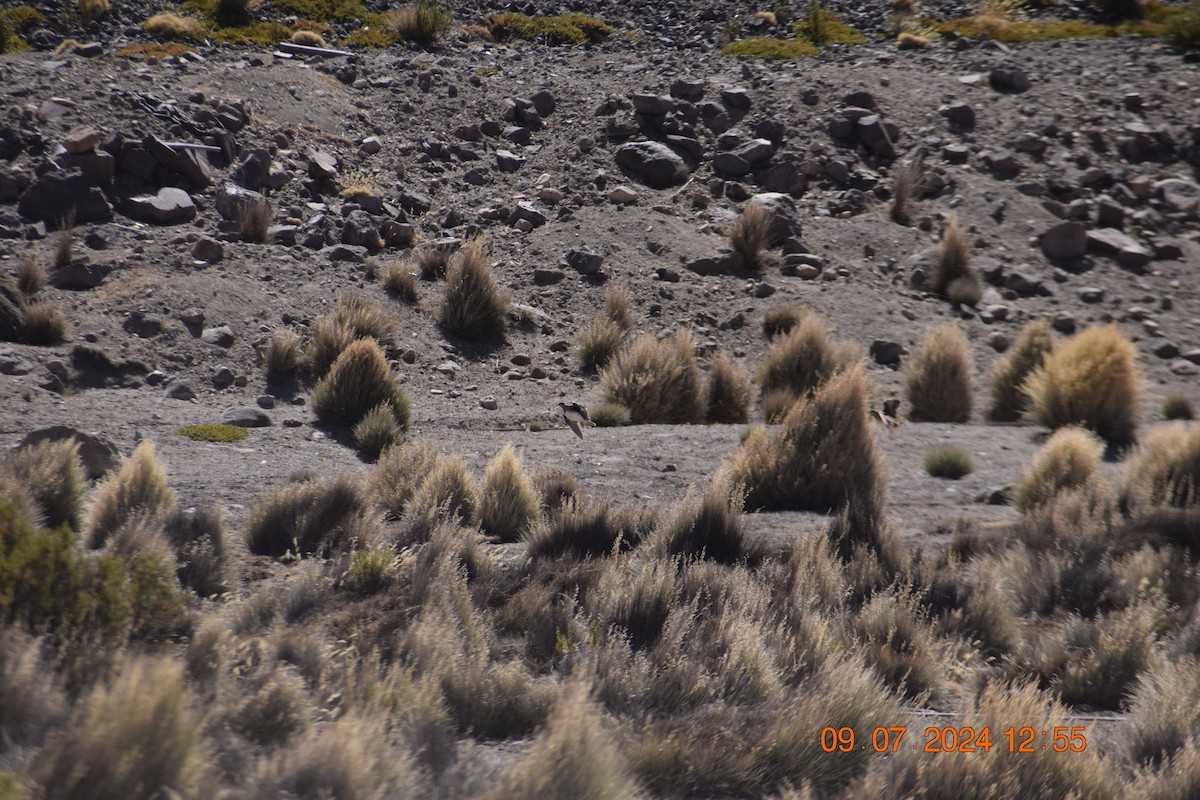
180	390
246	417
887	353
1166	350
222	378
1091	294
222	336
623	195
265	401
1065	242
192	316
489	403
82	140
585	262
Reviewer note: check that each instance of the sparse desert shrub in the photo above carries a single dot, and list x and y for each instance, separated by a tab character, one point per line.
364	318
53	474
254	219
781	320
432	262
609	415
136	737
587	528
377	431
1183	29
1107	656
1070	459
939	377
1162	725
92	10
308	39
824	455
213	432
953	275
201	544
275	713
658	381
1009	399
1178	407
749	234
617	303
400	280
508	506
424	22
804	358
573	758
599	341
473	307
138	489
371	570
555	487
775	406
707	527
399	473
308	518
1165	468
330	338
171	26
948	461
359	380
898	645
282	356
448	489
905	181
31	696
31	278
727	393
43	323
1093	379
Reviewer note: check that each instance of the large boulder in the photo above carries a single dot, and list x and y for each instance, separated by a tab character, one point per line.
98	454
1066	241
652	164
62	194
785	221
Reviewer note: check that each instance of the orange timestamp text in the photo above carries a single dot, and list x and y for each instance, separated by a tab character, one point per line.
938	739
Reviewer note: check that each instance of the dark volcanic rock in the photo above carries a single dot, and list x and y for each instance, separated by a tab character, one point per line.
59	194
652	164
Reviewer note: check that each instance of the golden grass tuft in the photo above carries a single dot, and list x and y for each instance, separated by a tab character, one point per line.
728	392
905	181
1164	469
474	307
750	233
172	26
377	431
1009	400
948	461
1178	407
201	544
586	528
365	318
423	22
658	381
254	219
617	304
329	339
307	518
31	277
805	358
92	10
139	489
705	527
939	377
1092	379
359	380
911	41
953	275
599	342
781	320
308	39
53	475
282	356
44	323
508	506
399	473
400	280
447	490
1070	459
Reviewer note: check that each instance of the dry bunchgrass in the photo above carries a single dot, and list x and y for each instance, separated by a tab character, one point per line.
139	489
53	475
1102	659
201	544
705	527
1092	379
432	262
275	712
171	26
329	339
781	320
1161	722
824	455
953	275
307	518
423	22
1178	406
473	307
359	380
508	506
1009	400
1164	469
377	431
44	323
447	490
728	392
658	381
64	241
574	757
555	487
32	701
949	461
282	356
599	342
365	318
254	219
750	233
588	529
308	39
399	473
1069	460
804	358
92	10
135	737
911	41
31	277
939	377
776	404
905	181
400	280
899	645
617	304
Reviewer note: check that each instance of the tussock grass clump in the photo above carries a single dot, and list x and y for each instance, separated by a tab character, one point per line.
705	527
136	737
905	181
1009	400
172	26
282	356
899	645
330	338
423	22
508	506
948	461
275	713
432	262
781	320
599	341
53	475
953	276
658	381
775	406
1162	725
139	489
573	757
364	318
749	234
32	700
474	307
201	544
1092	379
1183	29
617	304
824	455
564	29
254	219
939	377
588	529
555	487
609	415
728	392
31	277
377	431
805	358
371	570
213	432
306	518
822	26
1178	407
92	10
399	473
400	280
44	323
359	380
1165	468
1070	459
1104	658
447	490
308	39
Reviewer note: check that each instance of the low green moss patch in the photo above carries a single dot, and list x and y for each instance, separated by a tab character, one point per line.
564	29
158	50
263	34
23	17
324	10
765	47
1017	31
821	26
213	433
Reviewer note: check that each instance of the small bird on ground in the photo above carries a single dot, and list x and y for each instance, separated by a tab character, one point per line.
890	416
575	416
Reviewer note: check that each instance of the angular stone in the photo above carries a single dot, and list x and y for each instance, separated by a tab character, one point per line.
79	274
653	164
245	417
1009	78
652	104
206	249
1065	242
222	336
886	353
724	263
232	201
191	164
585	262
507	161
623	195
1110	241
872	133
58	194
168	207
179	390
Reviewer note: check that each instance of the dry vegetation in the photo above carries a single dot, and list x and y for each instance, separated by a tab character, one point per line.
939	376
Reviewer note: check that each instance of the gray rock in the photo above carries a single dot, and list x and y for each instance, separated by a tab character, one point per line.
206	249
346	252
179	390
98	165
1065	241
1009	78
585	262
1110	241
756	152
98	454
652	104
872	133
254	169
785	220
1179	195
82	140
1091	294
322	165
547	277
960	115
687	90
13	363
507	161
190	164
221	336
736	98
730	165
543	102
786	178
61	193
724	263
359	230
79	274
231	200
1192	355
652	164
1165	350
887	353
143	325
246	417
168	207
490	403
526	211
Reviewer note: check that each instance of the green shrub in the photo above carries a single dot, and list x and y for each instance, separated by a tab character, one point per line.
324	10
213	432
260	34
371	570
948	461
53	474
359	380
1178	407
609	415
1093	379
377	431
820	26
1070	459
473	307
565	29
306	518
1183	29
658	381
939	377
766	47
508	506
139	489
155	600
1009	399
